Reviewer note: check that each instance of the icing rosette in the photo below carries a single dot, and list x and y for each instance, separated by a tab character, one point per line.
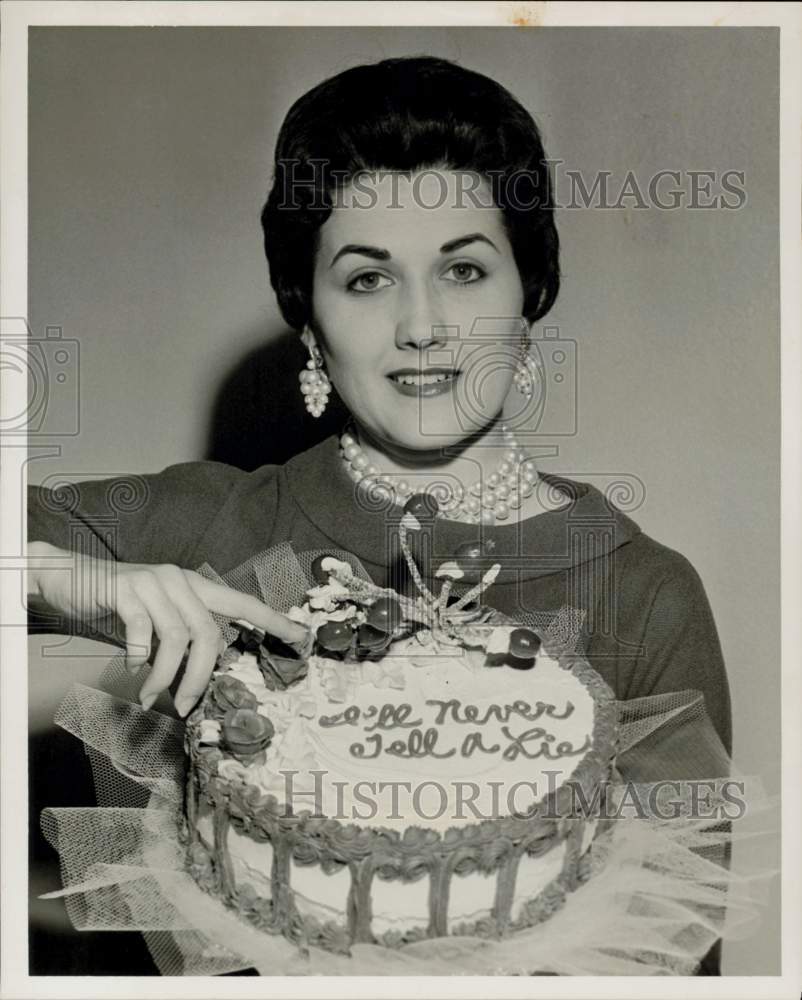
229	693
246	732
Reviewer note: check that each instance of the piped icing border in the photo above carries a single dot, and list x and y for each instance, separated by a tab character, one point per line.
493	845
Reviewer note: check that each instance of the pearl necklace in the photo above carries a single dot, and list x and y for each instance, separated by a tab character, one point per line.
504	490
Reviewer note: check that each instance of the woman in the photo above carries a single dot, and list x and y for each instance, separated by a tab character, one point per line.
411	241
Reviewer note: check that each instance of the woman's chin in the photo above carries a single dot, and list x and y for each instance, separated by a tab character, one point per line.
422	433
436	441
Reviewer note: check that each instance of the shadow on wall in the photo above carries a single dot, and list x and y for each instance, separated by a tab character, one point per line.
259	416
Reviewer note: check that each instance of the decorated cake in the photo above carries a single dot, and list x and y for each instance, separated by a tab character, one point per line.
418	767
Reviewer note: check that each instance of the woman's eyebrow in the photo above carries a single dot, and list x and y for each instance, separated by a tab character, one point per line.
375	253
378	253
462	241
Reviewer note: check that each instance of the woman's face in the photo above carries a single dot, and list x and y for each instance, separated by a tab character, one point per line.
414	276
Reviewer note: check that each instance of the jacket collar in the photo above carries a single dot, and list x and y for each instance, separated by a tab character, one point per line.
586	528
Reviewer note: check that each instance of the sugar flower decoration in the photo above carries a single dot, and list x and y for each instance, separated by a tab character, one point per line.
246	732
229	693
338	568
325	597
499	640
449	570
314	619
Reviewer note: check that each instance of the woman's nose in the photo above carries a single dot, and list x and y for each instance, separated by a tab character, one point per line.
421	325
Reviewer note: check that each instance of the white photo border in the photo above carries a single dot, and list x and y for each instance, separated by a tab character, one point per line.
16	18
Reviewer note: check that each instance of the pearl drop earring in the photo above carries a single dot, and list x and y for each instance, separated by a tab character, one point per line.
315	384
526	373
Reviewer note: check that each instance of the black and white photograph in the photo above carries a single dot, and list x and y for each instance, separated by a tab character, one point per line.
399	441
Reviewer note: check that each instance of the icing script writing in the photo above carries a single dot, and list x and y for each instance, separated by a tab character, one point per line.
454	710
387	717
424	740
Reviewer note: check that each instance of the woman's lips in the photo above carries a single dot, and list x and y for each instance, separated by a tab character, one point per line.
423	389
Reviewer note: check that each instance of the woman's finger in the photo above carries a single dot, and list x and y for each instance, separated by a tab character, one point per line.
138	628
204	638
172	630
203	652
202	635
234	604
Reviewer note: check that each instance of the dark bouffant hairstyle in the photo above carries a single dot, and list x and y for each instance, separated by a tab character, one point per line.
405	115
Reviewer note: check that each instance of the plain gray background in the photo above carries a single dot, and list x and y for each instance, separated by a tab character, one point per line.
150	159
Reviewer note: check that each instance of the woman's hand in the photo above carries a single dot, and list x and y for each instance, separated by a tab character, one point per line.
172	601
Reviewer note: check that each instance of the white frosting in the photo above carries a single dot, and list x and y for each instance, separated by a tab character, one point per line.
351	738
399	906
444	698
318	894
470	897
534	874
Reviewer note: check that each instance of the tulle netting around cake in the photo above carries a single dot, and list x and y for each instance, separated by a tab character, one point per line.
661	891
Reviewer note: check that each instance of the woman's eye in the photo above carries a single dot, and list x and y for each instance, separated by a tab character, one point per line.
464	273
368	281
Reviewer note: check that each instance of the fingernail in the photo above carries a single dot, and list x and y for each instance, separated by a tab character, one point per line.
133	668
148	700
183	703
